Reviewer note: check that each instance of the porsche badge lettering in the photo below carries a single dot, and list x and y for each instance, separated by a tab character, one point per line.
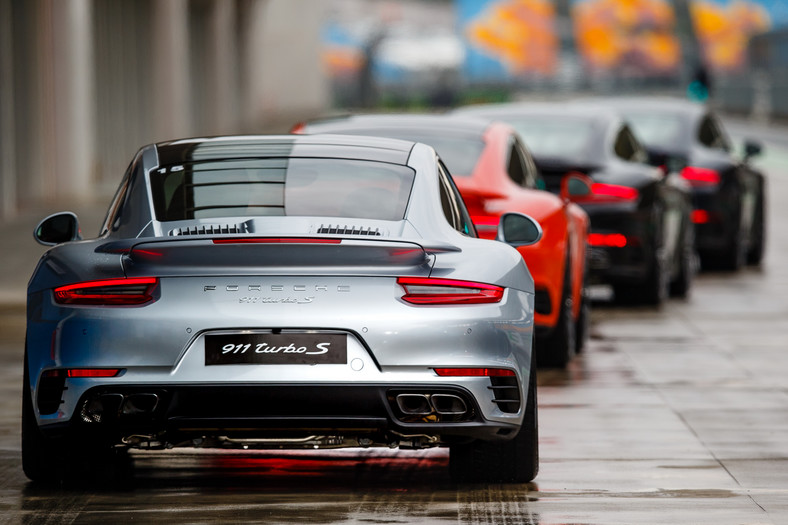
260	299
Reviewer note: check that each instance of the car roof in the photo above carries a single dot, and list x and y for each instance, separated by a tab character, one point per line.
556	109
250	146
439	122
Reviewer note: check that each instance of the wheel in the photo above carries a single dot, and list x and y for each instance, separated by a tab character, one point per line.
681	285
653	291
557	349
758	236
513	461
41	460
583	323
48	460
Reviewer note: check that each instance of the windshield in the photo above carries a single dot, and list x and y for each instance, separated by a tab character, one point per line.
657	130
565	138
321	187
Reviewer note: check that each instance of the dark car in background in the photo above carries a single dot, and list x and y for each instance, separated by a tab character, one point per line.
641	239
495	173
728	194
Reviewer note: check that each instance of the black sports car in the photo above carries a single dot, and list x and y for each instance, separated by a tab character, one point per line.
641	236
728	195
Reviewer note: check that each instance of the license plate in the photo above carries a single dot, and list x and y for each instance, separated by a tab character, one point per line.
276	349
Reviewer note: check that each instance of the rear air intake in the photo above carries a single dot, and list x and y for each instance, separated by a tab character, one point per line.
210	229
349	230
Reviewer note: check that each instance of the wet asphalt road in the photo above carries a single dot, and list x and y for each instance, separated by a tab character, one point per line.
676	416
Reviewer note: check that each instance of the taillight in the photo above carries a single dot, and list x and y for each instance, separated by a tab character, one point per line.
700	177
426	291
705	217
613	192
135	291
607	240
278	240
474	372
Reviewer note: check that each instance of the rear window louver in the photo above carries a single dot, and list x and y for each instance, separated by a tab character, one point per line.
349	230
210	229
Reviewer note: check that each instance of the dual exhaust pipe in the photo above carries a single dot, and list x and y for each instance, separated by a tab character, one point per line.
108	407
427	404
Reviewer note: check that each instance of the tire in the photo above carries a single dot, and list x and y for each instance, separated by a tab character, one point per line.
583	323
64	461
681	285
653	291
41	460
558	348
513	461
758	236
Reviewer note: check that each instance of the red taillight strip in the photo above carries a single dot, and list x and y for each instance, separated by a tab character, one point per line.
277	240
608	240
135	291
614	191
474	372
698	177
428	291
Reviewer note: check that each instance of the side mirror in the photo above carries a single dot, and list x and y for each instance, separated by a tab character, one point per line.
58	228
752	149
575	186
518	229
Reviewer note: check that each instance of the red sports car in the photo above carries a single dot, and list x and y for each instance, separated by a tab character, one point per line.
495	173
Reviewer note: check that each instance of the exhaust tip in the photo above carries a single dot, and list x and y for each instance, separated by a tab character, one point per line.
448	404
139	404
414	404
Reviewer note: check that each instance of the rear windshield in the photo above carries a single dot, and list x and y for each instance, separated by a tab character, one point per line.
571	139
282	187
658	130
459	153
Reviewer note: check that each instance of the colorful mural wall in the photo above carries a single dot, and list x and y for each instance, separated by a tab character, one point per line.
511	38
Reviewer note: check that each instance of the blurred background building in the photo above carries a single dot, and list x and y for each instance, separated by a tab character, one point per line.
85	83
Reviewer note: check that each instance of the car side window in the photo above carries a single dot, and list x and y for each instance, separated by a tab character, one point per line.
515	166
453	206
710	134
627	146
529	167
114	207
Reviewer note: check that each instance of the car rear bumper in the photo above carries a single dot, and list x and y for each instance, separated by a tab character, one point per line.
272	414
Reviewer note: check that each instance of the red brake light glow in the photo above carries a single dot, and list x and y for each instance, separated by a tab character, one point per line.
92	372
277	240
426	291
108	292
698	177
608	240
614	191
474	372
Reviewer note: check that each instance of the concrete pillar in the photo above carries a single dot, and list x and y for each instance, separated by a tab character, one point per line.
171	82
72	85
7	129
223	86
284	77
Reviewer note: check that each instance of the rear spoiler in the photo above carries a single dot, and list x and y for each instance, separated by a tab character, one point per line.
280	256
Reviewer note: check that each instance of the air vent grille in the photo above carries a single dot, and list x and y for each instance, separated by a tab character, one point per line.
210	229
349	230
507	393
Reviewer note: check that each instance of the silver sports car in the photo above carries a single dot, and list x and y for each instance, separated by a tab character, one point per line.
282	292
